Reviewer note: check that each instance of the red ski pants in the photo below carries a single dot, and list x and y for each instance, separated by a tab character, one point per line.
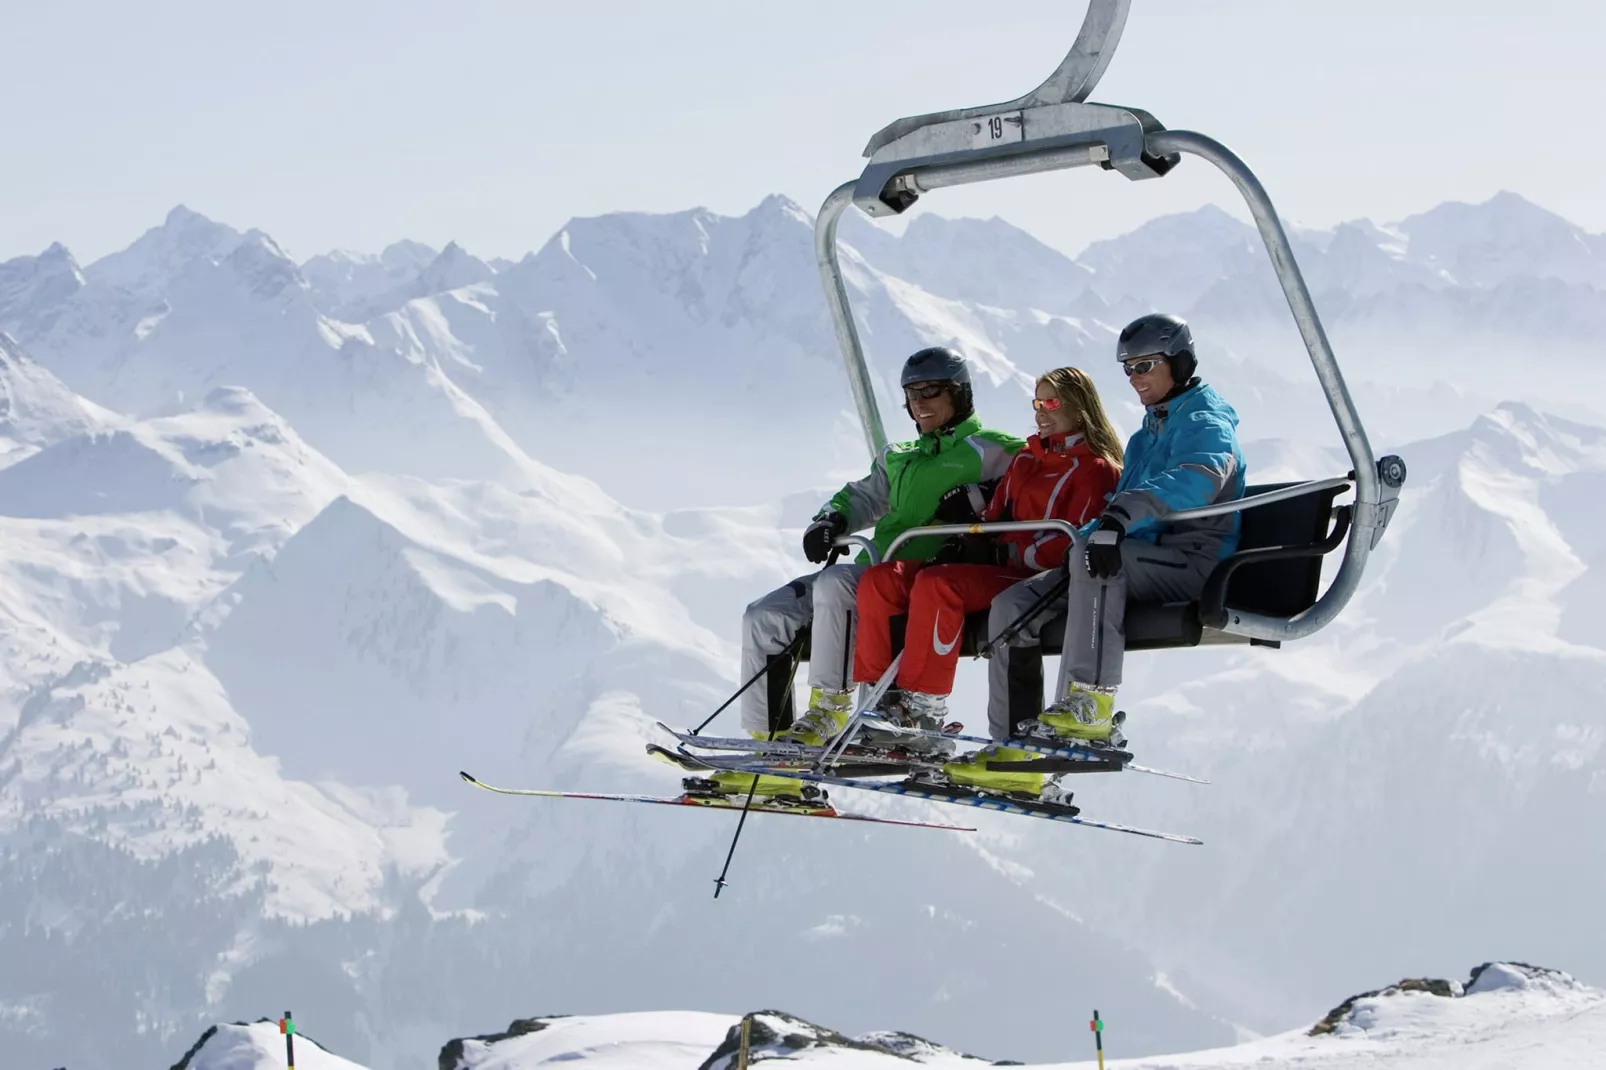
936	598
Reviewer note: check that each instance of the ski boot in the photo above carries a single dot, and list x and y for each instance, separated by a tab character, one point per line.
1086	714
725	783
823	721
971	771
912	709
771	791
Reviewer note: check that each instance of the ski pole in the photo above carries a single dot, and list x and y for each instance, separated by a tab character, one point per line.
719	881
790	648
752	789
840	743
1015	626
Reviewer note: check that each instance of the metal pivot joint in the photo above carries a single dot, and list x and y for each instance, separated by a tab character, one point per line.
1054	128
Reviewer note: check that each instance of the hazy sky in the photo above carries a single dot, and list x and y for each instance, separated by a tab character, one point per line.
353	123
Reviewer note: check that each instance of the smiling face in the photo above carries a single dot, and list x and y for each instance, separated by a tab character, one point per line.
1053	414
931	404
1150	377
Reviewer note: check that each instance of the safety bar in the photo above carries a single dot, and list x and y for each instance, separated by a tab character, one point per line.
863	542
1066	528
1238	505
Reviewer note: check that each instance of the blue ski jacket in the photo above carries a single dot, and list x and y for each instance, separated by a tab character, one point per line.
1186	455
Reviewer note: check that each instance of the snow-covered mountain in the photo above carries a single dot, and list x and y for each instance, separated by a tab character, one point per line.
1508	1015
299	569
36	409
694	329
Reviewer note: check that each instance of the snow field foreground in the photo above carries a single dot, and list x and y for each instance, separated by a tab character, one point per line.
256	1046
1509	1017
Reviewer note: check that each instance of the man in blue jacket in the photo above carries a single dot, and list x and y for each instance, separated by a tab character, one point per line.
1186	455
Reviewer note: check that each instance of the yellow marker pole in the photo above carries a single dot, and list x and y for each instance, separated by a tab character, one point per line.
747	1028
1097	1025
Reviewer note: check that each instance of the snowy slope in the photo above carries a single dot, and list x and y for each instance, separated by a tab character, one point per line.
342	279
250	1046
36	408
649	1040
1509	1016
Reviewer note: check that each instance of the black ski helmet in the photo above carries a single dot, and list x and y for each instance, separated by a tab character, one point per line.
939	364
1160	334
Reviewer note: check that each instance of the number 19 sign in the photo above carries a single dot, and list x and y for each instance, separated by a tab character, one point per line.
997	129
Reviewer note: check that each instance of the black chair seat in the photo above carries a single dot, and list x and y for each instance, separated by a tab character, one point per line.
1276	571
1149	626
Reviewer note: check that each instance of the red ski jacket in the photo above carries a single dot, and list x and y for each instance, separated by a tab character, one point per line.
1057	479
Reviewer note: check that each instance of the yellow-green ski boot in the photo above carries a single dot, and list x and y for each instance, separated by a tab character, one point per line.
769	787
824	720
1086	714
971	771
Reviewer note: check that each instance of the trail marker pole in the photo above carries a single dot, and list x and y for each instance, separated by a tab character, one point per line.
747	1030
288	1028
1097	1025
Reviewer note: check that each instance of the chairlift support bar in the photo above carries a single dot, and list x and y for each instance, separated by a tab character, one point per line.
1053	129
1066	528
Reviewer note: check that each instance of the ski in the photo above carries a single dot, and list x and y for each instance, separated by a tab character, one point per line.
962	796
1096	759
876	765
693	763
760	804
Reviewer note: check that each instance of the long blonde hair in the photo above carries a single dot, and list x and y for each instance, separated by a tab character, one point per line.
1074	387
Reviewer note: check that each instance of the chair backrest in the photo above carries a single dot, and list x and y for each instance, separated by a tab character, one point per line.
1285	587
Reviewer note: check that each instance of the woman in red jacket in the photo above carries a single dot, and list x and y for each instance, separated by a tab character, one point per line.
1065	473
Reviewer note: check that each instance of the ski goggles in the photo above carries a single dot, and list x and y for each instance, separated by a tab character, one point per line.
925	393
1046	404
1142	367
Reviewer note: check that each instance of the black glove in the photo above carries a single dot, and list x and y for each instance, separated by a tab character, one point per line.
967	550
961	505
1104	549
819	536
951	552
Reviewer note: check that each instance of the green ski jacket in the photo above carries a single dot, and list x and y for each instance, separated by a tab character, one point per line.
908	479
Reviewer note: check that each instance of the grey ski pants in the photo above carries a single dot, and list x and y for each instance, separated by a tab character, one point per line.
827	601
1095	619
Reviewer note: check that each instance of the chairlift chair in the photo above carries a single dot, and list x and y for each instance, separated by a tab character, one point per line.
1268	592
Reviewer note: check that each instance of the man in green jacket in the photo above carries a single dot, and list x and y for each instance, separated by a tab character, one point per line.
929	480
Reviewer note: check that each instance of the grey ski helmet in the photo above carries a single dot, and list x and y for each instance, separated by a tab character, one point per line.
1160	334
939	364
